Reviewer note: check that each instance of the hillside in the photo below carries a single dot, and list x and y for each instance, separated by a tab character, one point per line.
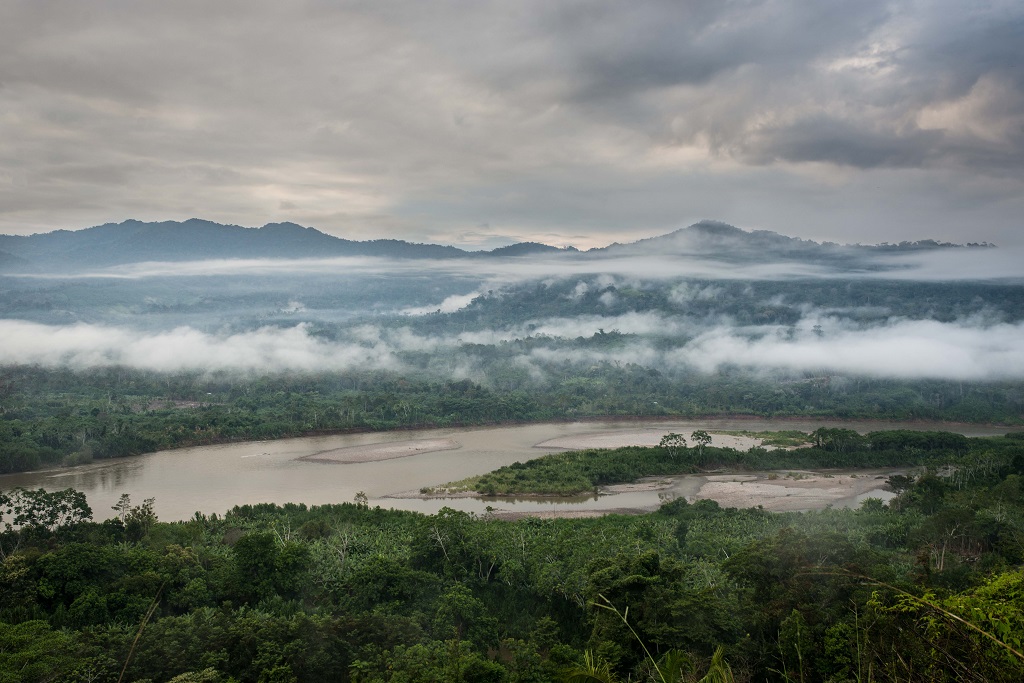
134	241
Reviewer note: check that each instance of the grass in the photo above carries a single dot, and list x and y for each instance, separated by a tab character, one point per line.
781	439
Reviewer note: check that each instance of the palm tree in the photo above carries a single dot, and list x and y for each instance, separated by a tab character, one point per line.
593	670
719	671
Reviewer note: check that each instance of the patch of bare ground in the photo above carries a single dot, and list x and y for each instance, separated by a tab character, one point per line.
646	484
790	491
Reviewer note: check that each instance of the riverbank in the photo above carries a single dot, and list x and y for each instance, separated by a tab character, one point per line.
212	479
775	491
646	437
715	421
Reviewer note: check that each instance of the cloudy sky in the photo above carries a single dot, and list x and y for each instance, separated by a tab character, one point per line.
479	123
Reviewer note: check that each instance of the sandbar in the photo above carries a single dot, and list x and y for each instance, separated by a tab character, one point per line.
780	491
791	491
644	437
381	451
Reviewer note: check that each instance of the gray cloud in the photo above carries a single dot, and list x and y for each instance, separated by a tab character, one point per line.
584	122
824	139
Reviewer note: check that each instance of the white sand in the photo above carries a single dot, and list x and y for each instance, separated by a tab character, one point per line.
815	491
785	494
382	451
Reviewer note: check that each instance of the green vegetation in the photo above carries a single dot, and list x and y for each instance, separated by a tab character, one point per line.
577	472
927	588
50	417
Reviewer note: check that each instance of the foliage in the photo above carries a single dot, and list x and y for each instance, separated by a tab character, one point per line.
60	416
41	510
578	472
926	588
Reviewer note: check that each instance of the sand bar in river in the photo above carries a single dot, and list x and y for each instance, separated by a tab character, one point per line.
782	491
791	491
644	437
381	451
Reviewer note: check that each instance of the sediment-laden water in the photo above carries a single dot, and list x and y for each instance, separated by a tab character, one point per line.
333	469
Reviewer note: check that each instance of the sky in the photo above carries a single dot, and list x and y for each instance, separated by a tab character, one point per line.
481	123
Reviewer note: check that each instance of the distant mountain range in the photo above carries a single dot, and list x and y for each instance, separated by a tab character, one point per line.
134	241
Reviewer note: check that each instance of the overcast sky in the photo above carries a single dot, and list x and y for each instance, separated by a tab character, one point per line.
479	123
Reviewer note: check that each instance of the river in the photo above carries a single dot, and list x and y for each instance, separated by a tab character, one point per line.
212	479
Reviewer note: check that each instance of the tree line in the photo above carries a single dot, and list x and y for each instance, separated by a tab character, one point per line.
58	416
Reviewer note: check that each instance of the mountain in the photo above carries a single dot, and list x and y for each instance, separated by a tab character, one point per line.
12	263
713	238
521	249
195	239
135	241
723	242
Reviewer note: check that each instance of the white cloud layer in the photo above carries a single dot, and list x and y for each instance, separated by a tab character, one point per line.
263	350
927	265
904	349
449	305
966	350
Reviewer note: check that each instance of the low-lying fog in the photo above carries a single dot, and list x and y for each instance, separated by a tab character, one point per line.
900	348
446	317
942	265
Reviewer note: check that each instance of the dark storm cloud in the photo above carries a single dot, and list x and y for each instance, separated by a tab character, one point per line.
840	142
954	49
671	44
596	120
946	89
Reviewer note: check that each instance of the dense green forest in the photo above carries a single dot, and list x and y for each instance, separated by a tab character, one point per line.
928	587
50	417
576	472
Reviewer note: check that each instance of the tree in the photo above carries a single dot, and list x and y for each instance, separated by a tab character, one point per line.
702	439
136	520
592	670
33	651
836	439
673	443
41	509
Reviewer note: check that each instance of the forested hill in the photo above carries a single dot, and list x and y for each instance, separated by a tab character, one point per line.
723	242
135	241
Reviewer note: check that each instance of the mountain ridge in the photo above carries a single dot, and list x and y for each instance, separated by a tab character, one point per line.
134	241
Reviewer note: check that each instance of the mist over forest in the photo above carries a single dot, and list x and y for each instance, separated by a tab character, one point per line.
220	345
701	300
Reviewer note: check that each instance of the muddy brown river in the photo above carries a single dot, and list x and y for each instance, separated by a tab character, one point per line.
391	467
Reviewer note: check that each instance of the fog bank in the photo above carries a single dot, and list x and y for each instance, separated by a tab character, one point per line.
909	349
